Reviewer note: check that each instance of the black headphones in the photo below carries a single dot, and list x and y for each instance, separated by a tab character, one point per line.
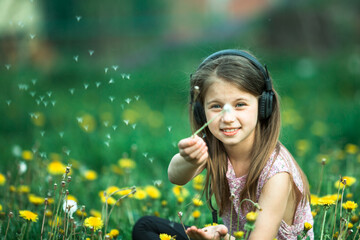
266	99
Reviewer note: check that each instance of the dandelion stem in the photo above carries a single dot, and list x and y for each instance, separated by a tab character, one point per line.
7	228
323	224
207	123
43	222
334	218
356	233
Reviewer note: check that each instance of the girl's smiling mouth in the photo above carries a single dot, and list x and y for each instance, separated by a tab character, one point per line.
230	131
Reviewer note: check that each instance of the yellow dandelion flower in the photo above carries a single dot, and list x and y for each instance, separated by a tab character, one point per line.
140	194
180	191
56	168
196	214
313	213
73	198
95	213
326	201
211	224
48	213
350	205
314	199
238	234
350	225
90	175
124	192
349	195
336	234
23	189
354	219
38	119
251	216
126	163
28	215
198	187
12	188
164	236
110	200
1	207
153	192
87	123
307	226
51	201
111	190
2	179
94	222
58	222
81	213
27	155
116	169
114	233
157	214
164	203
349	181
351	148
35	199
197	202
180	199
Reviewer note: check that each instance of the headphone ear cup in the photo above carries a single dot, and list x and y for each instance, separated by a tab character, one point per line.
199	113
265	105
262	106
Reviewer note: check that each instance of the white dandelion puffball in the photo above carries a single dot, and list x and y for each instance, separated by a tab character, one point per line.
227	108
70	206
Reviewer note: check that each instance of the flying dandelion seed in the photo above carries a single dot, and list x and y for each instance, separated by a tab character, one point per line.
151	160
61	134
107	143
126	122
169	128
157	183
67	152
106	123
76	58
128	76
111	80
42	98
106	70
133	126
91	52
174	144
36	116
7	66
98	84
34	81
79	119
72	90
128	100
114	127
111	98
32	114
32	94
43	155
32	36
123	75
8	102
137	98
42	133
86	127
49	93
45	103
23	87
115	67
145	154
78	18
53	102
22	167
86	85
108	136
38	101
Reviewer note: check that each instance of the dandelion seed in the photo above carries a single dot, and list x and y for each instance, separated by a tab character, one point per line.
106	70
32	94
174	144
106	123
42	133
98	84
151	160
78	18
70	206
38	102
86	85
76	58
86	127
45	103
169	128
79	119
23	87
115	67
114	127
128	76
126	122
123	75
145	154
111	98
157	183
32	36
49	93
108	136
133	126
107	143
128	100
67	152
42	98
34	81
7	66
8	102
72	90
53	102
43	155
22	167
91	52
111	80
61	134
137	98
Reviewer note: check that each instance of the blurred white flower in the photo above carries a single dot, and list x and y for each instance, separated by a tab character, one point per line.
22	167
70	206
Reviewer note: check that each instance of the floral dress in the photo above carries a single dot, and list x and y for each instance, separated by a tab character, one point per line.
277	163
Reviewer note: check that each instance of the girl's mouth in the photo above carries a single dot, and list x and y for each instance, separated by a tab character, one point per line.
230	131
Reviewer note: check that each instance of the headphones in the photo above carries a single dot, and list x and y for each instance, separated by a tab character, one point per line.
266	99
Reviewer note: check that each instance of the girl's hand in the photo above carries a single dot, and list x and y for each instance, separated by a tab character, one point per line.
212	232
193	149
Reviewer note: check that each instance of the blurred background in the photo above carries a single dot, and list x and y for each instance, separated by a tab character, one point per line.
94	81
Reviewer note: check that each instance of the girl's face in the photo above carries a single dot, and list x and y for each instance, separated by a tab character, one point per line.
237	126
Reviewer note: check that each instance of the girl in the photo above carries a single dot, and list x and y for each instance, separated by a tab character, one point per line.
241	152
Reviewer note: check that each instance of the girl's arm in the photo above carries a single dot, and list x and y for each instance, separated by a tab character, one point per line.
189	162
274	200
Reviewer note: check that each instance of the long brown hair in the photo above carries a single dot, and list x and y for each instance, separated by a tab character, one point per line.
247	77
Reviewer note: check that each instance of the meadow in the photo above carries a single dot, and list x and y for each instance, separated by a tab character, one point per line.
84	151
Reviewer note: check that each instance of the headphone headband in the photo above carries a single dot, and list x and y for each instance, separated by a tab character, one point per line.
235	52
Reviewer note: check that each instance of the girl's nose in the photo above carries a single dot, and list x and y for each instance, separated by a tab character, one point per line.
228	116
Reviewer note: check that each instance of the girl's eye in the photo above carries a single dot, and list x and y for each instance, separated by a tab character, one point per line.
216	106
240	105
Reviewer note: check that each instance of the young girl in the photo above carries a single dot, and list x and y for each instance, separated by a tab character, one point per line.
241	153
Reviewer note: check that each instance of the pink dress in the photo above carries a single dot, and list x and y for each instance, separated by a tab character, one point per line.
282	163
